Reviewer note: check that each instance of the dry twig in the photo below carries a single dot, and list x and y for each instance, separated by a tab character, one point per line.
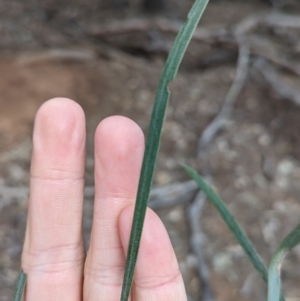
276	19
173	194
273	79
160	197
80	55
194	213
240	78
195	209
223	35
160	24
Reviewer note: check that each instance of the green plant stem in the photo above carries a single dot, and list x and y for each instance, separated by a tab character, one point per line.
153	139
233	225
21	282
274	284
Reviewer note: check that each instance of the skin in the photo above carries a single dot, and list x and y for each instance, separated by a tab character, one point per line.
54	257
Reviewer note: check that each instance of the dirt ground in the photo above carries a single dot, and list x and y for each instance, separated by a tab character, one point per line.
49	49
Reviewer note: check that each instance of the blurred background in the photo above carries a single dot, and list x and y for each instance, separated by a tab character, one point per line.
233	115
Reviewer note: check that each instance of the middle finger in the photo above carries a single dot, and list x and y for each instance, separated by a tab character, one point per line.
119	148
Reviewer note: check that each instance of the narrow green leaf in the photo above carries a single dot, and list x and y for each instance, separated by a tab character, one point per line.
153	139
232	224
274	285
21	282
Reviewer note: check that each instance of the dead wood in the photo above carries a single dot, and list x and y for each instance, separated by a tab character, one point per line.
224	36
209	133
275	82
278	19
197	239
240	78
164	196
274	19
73	55
173	194
195	209
161	24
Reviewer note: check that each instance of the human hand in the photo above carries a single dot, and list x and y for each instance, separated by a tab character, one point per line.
54	257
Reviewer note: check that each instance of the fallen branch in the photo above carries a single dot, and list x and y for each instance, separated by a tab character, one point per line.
277	60
81	55
273	79
273	19
173	194
222	35
197	238
240	78
195	209
160	24
160	197
164	196
276	19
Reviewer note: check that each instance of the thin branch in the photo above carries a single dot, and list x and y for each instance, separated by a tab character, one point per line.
277	19
160	24
277	60
81	55
240	78
173	194
222	34
273	79
273	19
195	209
163	196
194	213
160	197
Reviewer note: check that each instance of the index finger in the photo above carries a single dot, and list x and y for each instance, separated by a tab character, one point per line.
53	252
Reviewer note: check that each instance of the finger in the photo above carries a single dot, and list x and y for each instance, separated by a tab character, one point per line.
157	276
119	147
53	252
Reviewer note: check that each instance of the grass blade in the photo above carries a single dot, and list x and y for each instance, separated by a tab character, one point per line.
274	285
232	224
153	139
21	282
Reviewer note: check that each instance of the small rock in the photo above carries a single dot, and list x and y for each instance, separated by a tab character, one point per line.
286	167
264	140
221	262
175	215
